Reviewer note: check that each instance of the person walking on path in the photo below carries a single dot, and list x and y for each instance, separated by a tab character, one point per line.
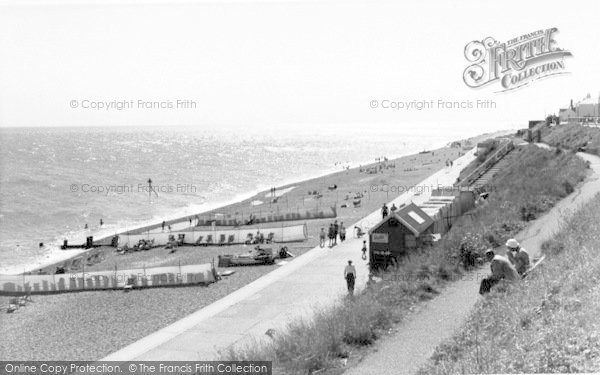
336	229
330	234
501	269
393	208
163	226
342	232
364	250
384	211
518	256
322	238
350	276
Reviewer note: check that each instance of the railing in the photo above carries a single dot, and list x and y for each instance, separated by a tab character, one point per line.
487	164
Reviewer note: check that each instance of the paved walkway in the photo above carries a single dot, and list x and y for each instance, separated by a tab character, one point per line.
408	349
312	280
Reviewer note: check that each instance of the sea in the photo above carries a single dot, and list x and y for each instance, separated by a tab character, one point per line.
56	181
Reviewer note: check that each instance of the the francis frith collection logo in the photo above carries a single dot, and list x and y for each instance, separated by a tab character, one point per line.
514	63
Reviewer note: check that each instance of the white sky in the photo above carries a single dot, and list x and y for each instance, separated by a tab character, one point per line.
266	64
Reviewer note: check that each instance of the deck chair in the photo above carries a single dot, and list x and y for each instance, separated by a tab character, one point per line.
76	264
249	239
199	241
25	299
129	284
231	239
222	240
209	240
91	260
270	237
13	305
180	239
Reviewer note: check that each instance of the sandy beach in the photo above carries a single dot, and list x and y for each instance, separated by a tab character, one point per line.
90	325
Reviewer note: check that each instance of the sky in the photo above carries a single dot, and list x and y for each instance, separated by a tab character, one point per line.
274	65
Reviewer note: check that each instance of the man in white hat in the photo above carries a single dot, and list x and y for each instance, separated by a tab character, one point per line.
517	256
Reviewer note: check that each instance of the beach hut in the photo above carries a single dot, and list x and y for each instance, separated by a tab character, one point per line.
398	234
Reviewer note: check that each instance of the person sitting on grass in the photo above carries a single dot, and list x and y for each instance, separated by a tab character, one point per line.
501	269
518	256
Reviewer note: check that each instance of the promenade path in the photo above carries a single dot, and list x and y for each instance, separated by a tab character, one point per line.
293	291
408	349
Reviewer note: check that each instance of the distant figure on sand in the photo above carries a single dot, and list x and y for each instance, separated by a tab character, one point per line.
190	221
364	250
86	226
384	211
101	222
322	238
350	276
342	232
501	269
163	225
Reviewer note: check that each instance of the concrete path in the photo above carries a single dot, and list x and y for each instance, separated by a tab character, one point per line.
413	344
312	280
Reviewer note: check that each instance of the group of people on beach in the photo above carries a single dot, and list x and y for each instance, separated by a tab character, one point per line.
513	267
334	230
86	226
385	211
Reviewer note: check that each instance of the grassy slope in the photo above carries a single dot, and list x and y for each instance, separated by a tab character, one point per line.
547	323
573	137
335	333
